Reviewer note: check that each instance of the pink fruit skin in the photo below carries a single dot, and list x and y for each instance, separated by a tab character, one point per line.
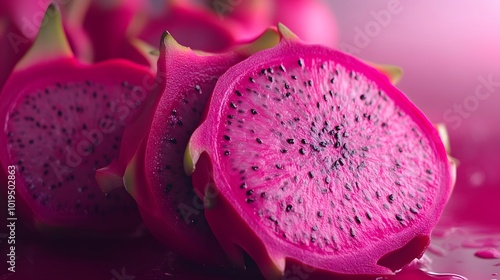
226	209
107	24
58	64
192	26
11	52
19	25
61	70
180	71
250	17
311	20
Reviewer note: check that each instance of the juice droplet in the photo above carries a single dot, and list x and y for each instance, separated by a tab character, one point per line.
489	253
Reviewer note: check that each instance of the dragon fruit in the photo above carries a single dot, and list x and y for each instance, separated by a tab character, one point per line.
154	172
191	25
107	23
250	17
312	20
19	22
307	156
61	126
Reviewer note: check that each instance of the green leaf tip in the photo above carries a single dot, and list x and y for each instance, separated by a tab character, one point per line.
50	43
168	42
392	72
268	39
286	33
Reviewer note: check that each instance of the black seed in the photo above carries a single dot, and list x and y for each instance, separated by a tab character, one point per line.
365	149
227	137
327	180
357	219
258	140
345	134
310	83
288	208
197	88
279	166
263	195
253	111
290	141
315	148
362	97
303	141
399	217
332	80
400	150
311	175
238	93
168	187
250	200
413	210
249	192
429	171
352	232
294	77
341	161
243	186
337	144
419	206
252	80
282	68
226	153
315	228
322	144
283	151
255	167
391	198
348	187
320	214
232	105
302	151
369	216
301	62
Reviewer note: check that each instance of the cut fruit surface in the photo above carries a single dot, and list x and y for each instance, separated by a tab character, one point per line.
317	158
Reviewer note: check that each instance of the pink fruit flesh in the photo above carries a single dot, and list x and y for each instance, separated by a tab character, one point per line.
318	160
61	126
155	176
